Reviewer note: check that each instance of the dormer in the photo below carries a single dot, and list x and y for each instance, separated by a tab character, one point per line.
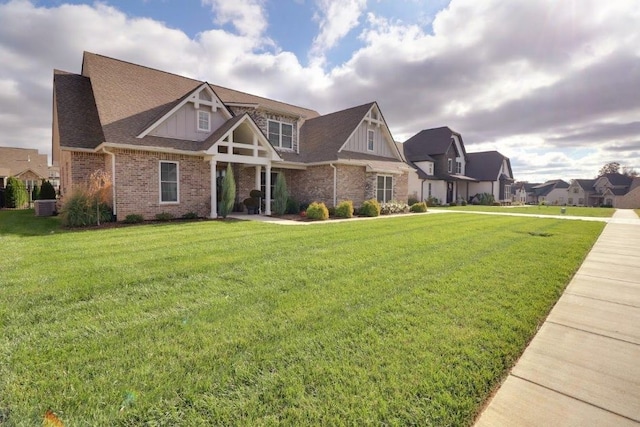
193	117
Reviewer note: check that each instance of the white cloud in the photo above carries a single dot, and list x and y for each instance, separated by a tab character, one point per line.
336	18
247	16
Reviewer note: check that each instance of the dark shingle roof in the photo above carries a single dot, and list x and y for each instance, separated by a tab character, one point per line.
618	179
586	184
430	142
546	187
78	121
486	165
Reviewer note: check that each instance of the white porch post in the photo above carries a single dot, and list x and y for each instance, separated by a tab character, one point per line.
257	181
214	190
267	190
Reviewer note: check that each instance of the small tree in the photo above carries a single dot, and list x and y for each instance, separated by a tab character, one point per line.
228	193
16	195
611	167
35	193
280	195
47	192
99	190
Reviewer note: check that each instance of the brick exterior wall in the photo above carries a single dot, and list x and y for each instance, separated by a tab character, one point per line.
631	200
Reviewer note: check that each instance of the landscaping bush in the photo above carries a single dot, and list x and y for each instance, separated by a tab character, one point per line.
432	201
35	193
418	207
412	201
485	199
47	192
317	211
393	207
80	210
228	193
190	215
332	211
280	195
15	193
463	203
292	206
303	206
344	209
133	219
453	203
164	216
495	204
370	207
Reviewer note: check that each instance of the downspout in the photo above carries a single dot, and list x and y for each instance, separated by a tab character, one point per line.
422	191
335	184
113	181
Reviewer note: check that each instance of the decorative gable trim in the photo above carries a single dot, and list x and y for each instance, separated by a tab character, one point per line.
199	98
374	116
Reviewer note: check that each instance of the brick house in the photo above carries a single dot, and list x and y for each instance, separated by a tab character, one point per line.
165	140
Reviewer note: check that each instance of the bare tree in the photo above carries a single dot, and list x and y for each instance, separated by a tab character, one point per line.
612	167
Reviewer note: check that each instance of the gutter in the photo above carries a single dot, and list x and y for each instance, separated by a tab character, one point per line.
113	181
335	183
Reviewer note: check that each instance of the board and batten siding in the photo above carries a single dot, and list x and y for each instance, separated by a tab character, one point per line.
358	141
183	125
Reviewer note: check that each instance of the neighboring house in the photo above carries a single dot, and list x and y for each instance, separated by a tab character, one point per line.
524	192
610	189
579	192
165	140
444	170
553	192
631	200
26	164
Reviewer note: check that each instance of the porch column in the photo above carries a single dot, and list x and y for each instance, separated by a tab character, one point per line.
214	191
257	181
267	190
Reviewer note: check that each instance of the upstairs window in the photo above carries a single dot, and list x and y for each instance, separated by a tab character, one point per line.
280	134
204	121
370	140
458	167
449	165
168	182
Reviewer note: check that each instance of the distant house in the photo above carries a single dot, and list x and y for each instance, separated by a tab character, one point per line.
611	190
579	192
524	192
553	192
445	171
26	164
166	140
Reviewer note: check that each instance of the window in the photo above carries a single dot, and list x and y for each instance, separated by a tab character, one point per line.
168	182
280	134
449	165
370	140
429	190
204	121
385	188
570	201
459	167
263	180
507	192
581	201
430	169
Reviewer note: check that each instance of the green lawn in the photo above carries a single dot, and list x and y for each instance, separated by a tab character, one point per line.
538	210
399	321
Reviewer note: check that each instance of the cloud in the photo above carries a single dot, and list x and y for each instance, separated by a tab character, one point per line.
247	16
336	18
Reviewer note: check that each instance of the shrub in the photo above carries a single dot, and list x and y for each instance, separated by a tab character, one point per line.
332	211
80	210
393	208
133	219
453	203
16	195
164	216
370	207
190	215
292	206
47	192
418	207
228	193
412	201
256	194
463	203
344	209
280	195
495	204
303	206
486	199
35	193
432	201
317	211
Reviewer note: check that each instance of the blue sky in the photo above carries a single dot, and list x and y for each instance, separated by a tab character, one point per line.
551	84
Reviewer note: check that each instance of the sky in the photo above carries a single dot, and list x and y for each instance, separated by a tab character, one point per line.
553	85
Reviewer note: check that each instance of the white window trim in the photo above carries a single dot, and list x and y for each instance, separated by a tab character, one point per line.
280	133
177	201
208	128
385	187
371	140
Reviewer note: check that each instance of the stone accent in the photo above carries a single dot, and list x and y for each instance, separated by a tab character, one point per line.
261	118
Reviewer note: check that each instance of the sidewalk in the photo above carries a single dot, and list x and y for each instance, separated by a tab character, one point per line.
583	366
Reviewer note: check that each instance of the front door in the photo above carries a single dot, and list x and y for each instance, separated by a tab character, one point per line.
449	192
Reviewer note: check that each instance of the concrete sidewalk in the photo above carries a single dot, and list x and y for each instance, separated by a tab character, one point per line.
583	366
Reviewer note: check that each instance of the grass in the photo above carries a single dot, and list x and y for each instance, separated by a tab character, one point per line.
411	320
637	212
538	210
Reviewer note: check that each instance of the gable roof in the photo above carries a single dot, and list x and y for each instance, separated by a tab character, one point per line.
548	186
617	179
486	165
585	184
430	142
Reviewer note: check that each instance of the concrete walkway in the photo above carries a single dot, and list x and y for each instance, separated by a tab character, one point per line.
583	366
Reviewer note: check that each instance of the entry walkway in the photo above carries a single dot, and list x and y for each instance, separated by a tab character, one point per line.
583	366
